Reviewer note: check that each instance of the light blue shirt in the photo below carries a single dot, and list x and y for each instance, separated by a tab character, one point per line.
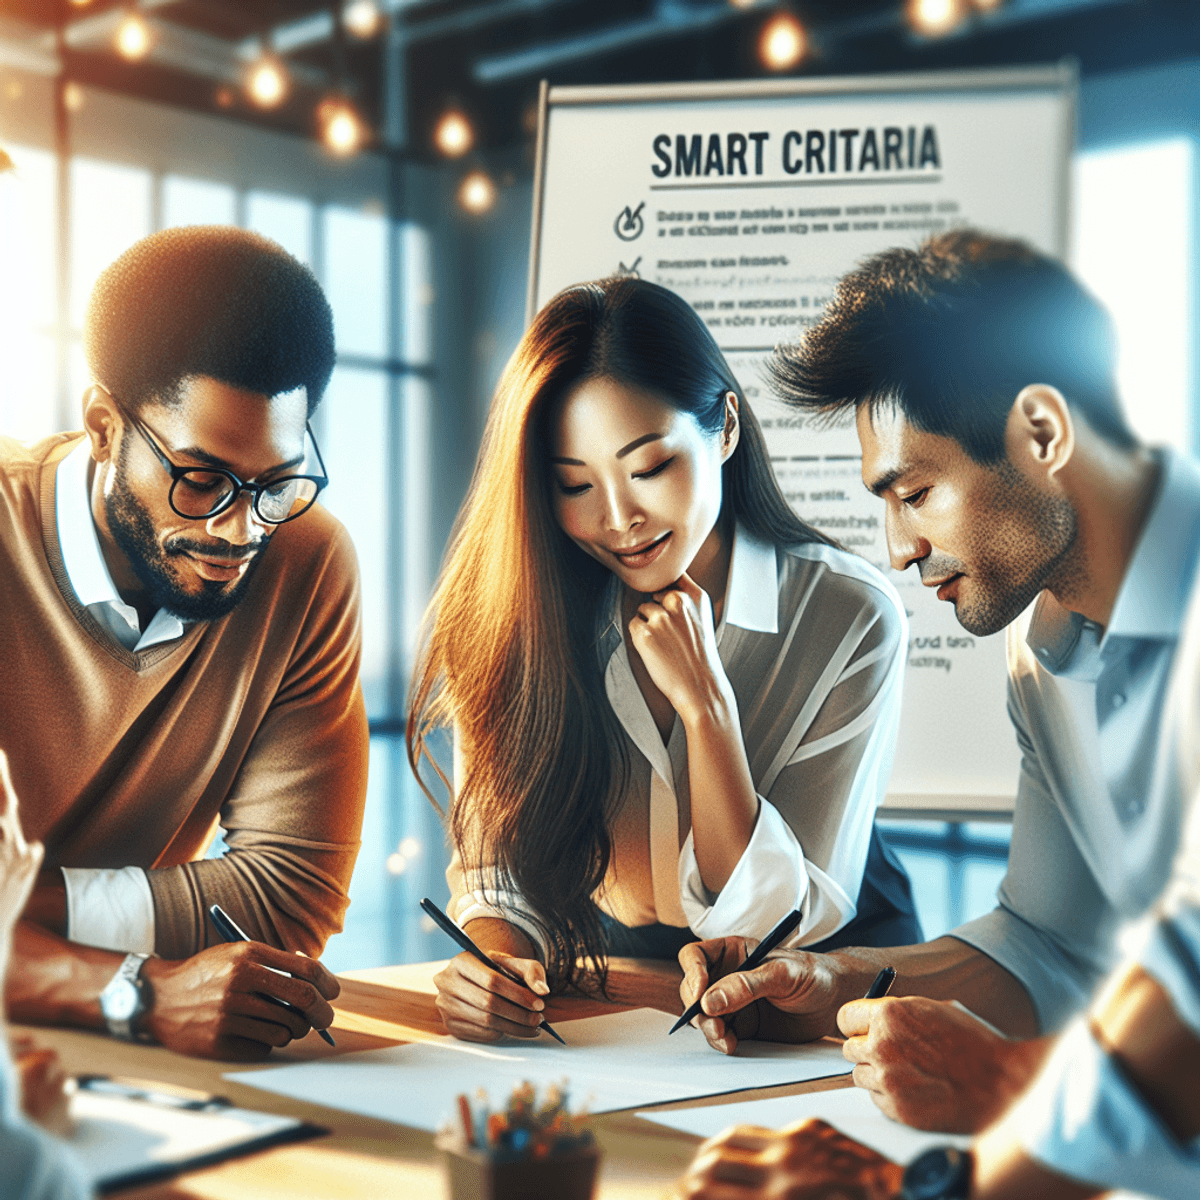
1082	1117
1093	834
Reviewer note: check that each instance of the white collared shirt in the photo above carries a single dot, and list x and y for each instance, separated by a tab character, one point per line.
812	640
84	562
112	908
1094	831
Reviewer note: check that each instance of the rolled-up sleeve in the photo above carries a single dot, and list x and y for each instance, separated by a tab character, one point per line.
1083	1118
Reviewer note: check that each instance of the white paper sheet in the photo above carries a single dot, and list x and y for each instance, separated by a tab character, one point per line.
611	1062
849	1109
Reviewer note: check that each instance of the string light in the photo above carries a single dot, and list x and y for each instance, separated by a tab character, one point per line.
73	97
453	134
742	3
987	5
782	43
934	17
477	192
361	18
397	862
342	129
267	82
134	39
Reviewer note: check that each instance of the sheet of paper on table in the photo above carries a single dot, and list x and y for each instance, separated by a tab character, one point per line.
850	1110
610	1062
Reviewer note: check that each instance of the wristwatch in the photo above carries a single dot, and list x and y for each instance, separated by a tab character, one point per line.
126	997
943	1173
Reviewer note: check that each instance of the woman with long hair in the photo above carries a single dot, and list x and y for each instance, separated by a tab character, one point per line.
674	703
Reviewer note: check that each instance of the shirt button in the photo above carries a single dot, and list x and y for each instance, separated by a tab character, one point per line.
1133	807
1118	699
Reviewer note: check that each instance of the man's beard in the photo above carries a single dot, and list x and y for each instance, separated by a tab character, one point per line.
133	531
1010	566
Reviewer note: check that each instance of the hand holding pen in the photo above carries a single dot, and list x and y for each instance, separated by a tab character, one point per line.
484	997
230	931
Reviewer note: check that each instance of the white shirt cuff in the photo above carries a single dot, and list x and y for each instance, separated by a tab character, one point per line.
503	906
771	878
112	909
1082	1118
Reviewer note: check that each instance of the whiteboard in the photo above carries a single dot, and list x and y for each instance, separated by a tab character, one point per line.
750	200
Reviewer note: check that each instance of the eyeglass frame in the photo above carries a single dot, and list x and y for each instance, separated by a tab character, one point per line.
239	486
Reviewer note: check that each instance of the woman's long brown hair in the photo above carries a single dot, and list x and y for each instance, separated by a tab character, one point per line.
509	649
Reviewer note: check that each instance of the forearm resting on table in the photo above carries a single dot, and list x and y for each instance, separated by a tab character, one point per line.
52	981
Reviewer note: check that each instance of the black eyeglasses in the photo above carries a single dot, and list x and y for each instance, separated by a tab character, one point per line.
198	493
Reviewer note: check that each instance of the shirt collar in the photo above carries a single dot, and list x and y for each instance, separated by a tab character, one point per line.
1153	596
752	592
83	560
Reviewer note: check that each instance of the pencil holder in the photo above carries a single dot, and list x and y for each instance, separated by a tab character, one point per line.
478	1175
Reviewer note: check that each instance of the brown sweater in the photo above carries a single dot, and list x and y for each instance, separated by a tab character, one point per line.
254	721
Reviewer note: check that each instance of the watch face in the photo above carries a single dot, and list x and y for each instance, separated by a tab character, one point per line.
120	1000
934	1175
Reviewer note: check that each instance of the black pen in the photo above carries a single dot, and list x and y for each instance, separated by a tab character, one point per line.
229	930
753	959
448	927
882	985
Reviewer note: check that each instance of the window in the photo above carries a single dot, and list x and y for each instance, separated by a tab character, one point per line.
1132	245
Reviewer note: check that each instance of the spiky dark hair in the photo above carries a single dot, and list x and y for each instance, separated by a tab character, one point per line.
950	333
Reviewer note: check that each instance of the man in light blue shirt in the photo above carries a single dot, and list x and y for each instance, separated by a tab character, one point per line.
1116	1103
982	378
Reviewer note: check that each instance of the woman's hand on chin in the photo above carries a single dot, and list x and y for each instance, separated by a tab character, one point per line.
674	635
478	1004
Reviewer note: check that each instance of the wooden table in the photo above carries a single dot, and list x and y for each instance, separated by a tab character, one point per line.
363	1158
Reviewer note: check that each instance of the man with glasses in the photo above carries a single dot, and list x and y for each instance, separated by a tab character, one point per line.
180	654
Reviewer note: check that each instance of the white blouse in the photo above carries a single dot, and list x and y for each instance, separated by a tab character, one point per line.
813	641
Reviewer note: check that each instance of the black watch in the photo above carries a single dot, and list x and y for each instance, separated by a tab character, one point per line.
943	1173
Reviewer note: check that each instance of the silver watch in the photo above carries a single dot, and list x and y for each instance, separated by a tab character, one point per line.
126	997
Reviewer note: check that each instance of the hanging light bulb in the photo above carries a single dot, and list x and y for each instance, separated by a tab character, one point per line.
477	192
362	18
782	43
453	134
342	130
267	83
934	17
134	39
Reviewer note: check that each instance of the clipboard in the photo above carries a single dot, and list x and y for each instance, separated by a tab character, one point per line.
127	1131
